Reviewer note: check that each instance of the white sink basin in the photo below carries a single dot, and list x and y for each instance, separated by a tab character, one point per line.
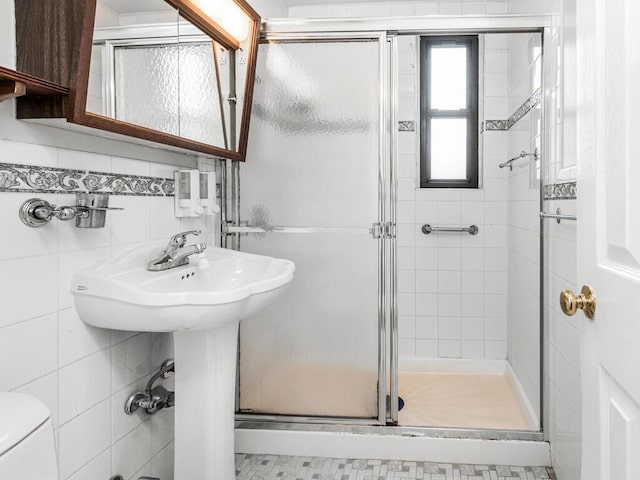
229	285
202	304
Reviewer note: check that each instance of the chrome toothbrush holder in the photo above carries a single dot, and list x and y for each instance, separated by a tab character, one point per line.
90	211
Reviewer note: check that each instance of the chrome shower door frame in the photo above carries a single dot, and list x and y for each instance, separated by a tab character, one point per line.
389	28
386	222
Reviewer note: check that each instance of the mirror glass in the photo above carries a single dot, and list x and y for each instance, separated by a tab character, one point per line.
153	68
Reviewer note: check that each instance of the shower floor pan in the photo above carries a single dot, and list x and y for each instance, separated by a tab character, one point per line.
461	400
437	393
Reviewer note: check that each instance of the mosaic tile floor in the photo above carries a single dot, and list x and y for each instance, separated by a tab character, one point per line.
271	467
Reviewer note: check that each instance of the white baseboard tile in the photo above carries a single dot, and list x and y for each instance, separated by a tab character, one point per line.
452	365
391	447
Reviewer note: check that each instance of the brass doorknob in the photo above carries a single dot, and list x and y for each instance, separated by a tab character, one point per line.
570	302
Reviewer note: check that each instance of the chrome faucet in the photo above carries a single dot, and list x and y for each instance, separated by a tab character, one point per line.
177	254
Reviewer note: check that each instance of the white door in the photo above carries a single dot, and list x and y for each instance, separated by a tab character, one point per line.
609	234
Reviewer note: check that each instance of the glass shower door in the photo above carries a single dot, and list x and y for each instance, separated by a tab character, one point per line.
314	181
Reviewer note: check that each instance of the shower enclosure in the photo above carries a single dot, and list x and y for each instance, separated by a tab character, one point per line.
377	305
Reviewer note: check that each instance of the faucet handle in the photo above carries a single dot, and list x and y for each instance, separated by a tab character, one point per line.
179	240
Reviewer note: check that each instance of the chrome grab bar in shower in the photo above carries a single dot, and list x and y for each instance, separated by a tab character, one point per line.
558	216
471	230
522	154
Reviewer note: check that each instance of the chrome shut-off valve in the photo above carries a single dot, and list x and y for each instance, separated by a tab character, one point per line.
153	399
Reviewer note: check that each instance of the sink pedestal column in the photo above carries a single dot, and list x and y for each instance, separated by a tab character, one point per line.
205	382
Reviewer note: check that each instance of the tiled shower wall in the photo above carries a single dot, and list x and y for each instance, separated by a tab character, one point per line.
452	287
523	224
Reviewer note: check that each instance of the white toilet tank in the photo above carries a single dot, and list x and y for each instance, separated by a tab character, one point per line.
27	448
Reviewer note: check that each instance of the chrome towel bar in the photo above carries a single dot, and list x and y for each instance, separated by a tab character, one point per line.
471	230
558	216
273	229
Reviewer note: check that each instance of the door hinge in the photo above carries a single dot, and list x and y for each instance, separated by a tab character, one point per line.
383	230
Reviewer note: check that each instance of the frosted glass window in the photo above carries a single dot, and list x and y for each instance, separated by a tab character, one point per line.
448	148
449	91
448	78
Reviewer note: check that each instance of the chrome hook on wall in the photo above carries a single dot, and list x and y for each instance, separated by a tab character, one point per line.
90	211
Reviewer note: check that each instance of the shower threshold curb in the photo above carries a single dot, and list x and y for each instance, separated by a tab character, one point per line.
259	422
409	444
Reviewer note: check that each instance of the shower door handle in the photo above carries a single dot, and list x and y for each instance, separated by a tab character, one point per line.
377	230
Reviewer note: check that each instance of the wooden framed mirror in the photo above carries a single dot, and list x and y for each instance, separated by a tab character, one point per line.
176	72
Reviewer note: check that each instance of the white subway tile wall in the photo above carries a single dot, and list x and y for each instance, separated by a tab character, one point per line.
452	299
84	374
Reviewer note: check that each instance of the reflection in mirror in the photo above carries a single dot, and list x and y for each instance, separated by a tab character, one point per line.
201	104
152	68
233	29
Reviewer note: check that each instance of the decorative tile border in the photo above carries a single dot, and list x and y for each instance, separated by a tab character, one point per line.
561	191
406	126
27	178
496	125
531	102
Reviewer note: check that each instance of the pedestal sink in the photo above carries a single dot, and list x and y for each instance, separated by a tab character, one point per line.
202	304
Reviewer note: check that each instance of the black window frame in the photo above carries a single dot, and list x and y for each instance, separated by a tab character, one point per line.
470	113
